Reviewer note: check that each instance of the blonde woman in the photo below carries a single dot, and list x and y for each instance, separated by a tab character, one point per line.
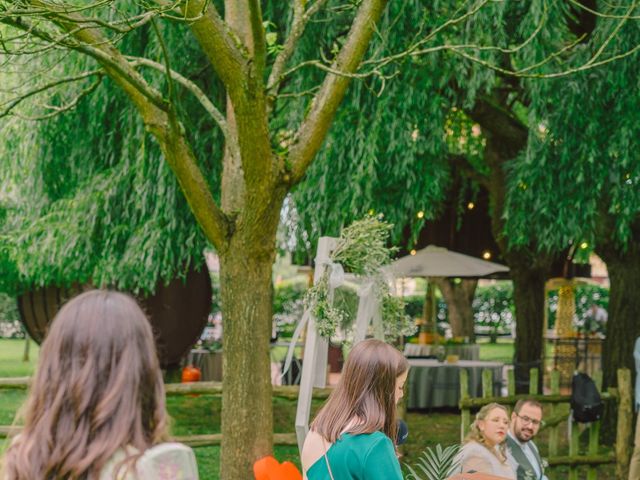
351	438
484	448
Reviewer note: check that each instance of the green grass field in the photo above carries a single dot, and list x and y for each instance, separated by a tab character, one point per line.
193	415
11	353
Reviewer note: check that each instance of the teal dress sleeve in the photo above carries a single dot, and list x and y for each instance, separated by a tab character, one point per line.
380	462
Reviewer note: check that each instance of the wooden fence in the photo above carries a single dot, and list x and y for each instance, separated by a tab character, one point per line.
289	392
556	414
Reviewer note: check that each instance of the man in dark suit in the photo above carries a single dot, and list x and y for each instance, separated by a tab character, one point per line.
523	454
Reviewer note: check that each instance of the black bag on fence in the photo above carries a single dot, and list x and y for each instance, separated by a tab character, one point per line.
586	402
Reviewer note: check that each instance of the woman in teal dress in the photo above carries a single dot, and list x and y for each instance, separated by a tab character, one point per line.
350	439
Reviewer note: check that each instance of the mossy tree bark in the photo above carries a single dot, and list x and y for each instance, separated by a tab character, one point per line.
459	297
245	278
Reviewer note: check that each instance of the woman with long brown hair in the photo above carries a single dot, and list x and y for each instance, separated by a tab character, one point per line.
97	398
351	437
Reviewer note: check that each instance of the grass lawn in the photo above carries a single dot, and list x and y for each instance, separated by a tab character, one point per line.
11	364
502	351
192	415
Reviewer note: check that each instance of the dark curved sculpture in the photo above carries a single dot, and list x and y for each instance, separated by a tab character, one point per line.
178	312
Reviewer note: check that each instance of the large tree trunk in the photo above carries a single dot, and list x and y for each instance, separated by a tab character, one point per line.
623	325
247	418
459	297
528	296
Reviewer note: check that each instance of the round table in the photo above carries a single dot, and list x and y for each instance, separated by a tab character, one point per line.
464	351
433	384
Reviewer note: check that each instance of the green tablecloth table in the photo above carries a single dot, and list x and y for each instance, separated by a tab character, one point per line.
433	384
465	352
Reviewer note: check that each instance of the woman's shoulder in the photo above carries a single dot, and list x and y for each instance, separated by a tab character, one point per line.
153	463
112	467
367	438
474	447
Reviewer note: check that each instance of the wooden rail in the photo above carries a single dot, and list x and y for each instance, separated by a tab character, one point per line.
289	392
191	440
203	388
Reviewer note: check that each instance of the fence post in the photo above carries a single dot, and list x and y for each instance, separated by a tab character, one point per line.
553	431
534	374
487	383
465	415
594	432
574	444
511	382
624	434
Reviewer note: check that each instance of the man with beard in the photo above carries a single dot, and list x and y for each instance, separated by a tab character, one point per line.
522	452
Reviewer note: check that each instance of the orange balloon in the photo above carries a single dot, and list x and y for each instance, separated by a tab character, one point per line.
288	471
268	468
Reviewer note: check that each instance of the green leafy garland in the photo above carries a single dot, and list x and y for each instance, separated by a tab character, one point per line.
361	250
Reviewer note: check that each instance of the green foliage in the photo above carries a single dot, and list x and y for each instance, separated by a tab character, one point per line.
328	318
493	308
287	294
586	296
92	199
361	250
581	170
435	464
8	308
10	325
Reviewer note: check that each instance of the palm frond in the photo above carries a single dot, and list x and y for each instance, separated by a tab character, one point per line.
435	464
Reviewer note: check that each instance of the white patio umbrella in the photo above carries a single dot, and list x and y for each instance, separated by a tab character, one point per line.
435	261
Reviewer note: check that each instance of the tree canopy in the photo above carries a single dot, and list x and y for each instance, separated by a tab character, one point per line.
238	98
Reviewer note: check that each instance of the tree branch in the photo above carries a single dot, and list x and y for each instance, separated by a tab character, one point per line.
89	42
219	44
257	33
207	104
315	126
11	104
300	20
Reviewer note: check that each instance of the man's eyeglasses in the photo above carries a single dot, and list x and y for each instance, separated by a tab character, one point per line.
532	421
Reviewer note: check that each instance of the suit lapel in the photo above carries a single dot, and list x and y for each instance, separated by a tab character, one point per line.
524	465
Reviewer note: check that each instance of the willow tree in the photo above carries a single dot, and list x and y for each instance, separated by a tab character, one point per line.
264	153
578	179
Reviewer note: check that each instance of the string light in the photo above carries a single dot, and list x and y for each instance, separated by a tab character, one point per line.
584	245
471	205
413	252
372	211
486	254
420	214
